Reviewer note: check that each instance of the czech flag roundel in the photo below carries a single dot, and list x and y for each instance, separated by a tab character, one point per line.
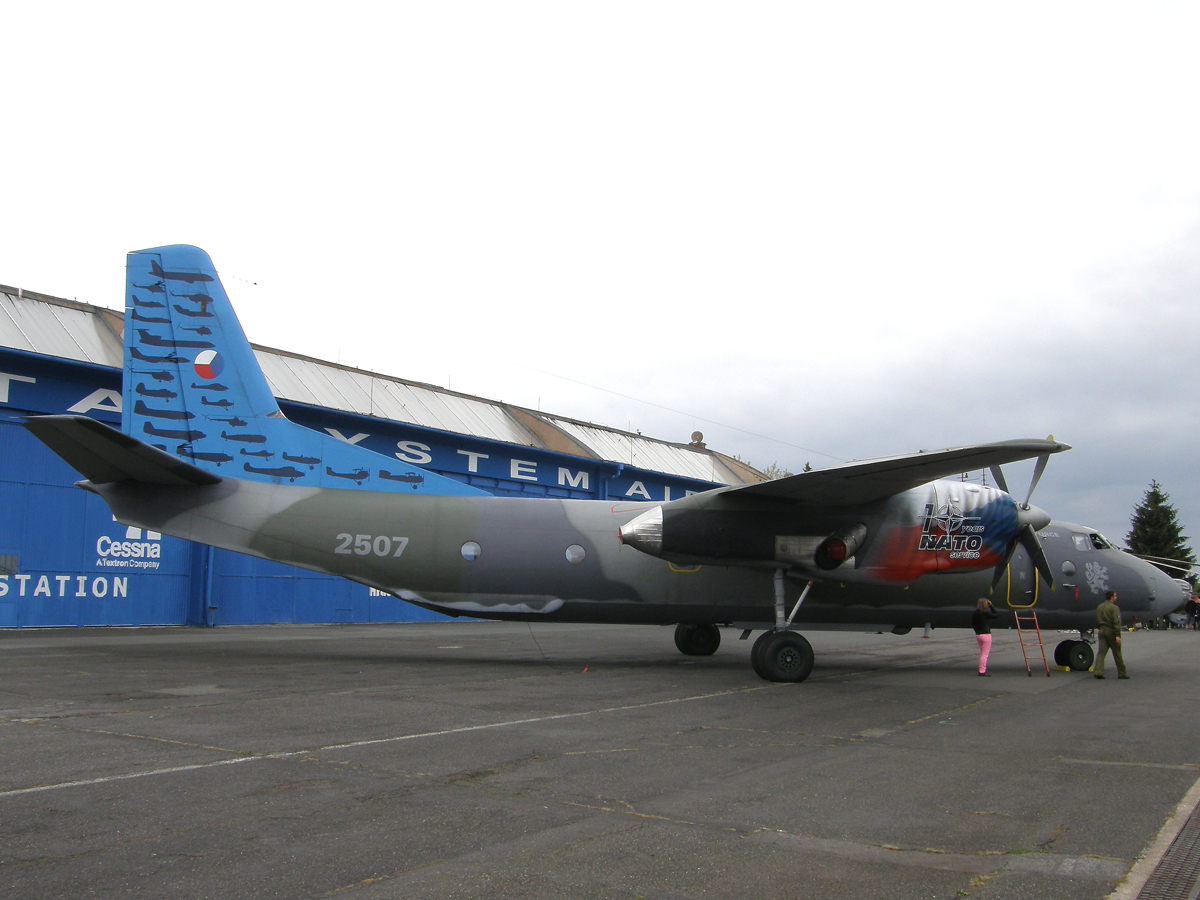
208	364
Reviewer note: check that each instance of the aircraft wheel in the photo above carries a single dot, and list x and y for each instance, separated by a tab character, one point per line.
1080	657
788	656
1062	653
756	654
697	640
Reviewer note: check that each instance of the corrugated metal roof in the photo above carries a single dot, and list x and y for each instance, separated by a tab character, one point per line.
316	383
50	326
647	453
56	329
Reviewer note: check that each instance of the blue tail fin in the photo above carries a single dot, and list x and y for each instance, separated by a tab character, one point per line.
193	388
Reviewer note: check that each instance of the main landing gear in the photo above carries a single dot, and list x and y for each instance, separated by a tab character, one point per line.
781	654
1077	656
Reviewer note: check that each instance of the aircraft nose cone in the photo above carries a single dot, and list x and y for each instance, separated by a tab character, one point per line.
1171	593
644	532
1033	516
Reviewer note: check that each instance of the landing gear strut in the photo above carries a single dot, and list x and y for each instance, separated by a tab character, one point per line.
697	640
781	654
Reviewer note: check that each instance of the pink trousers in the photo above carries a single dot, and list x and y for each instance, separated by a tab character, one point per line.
985	647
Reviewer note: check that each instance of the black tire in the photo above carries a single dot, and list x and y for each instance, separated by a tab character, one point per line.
1062	653
1080	657
788	656
756	654
697	640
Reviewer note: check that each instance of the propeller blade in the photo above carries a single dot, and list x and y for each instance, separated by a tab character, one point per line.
1037	476
1028	538
999	476
1012	548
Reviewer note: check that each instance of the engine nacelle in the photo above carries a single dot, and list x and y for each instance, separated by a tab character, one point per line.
840	546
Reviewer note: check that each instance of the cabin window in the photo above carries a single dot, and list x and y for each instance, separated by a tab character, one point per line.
471	551
575	554
1081	542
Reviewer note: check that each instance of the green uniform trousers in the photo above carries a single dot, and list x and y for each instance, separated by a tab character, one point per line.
1106	639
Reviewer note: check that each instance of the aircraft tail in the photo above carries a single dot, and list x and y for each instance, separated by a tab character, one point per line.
194	390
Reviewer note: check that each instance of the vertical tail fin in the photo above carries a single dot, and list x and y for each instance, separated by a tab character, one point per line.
193	388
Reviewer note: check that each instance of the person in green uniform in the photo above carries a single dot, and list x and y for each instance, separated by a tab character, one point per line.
1108	635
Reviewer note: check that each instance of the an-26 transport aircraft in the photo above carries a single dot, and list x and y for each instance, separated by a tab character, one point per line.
204	453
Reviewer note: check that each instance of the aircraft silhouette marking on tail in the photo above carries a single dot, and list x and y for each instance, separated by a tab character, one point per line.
143	410
358	476
289	472
264	454
159	393
185	436
205	300
232	421
201	314
188	452
157	288
139	355
411	478
156	374
248	438
309	461
153	340
189	277
203	330
220	404
210	387
149	320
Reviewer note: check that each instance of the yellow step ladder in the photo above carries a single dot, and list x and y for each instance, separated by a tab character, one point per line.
1028	618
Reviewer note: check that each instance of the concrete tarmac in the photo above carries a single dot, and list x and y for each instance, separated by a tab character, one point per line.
472	760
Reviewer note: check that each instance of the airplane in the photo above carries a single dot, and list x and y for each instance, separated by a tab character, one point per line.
157	393
885	544
408	477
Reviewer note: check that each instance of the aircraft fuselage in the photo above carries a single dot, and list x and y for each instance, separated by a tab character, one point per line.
561	560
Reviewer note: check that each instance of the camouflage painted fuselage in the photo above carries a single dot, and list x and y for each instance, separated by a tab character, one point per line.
560	560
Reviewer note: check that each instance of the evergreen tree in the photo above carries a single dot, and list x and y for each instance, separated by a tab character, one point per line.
1156	532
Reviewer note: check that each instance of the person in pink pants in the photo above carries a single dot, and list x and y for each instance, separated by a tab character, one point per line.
981	621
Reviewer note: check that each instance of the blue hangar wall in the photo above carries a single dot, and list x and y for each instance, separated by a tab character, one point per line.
64	561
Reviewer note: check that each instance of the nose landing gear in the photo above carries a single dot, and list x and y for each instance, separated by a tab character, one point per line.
1075	655
697	640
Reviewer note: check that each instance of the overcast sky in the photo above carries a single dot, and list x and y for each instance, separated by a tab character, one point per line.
814	232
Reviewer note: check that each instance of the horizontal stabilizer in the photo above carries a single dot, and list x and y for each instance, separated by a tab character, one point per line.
104	455
874	479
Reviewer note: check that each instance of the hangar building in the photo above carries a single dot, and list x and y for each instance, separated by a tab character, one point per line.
64	561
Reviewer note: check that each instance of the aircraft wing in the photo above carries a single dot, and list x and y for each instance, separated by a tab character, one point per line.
874	479
104	455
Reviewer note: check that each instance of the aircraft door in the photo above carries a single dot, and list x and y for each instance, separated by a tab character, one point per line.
1023	583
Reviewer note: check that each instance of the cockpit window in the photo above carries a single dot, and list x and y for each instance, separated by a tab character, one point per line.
1100	542
1081	542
